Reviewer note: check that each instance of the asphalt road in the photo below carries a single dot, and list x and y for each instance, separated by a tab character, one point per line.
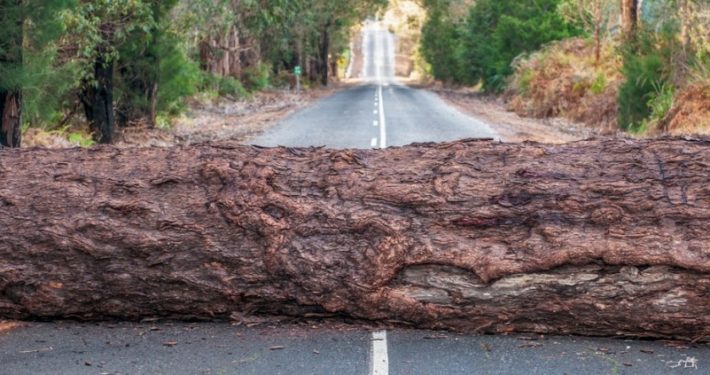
66	348
380	112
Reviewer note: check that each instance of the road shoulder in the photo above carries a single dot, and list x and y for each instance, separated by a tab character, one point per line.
510	126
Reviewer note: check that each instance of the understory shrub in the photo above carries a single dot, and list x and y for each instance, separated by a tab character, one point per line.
647	67
498	31
230	86
257	78
562	79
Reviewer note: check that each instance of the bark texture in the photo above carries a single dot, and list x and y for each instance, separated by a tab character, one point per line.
10	118
601	237
629	17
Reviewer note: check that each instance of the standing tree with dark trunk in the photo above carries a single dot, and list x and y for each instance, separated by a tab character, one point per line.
629	17
11	20
591	15
324	53
101	27
97	98
11	117
25	25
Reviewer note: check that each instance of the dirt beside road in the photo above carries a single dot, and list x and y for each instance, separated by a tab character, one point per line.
510	126
226	119
7	326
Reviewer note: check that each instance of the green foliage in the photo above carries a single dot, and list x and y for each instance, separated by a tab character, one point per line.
283	79
51	49
154	60
101	28
257	78
482	47
178	76
660	103
599	84
81	139
230	86
588	14
647	67
28	56
442	47
500	30
525	80
27	26
48	88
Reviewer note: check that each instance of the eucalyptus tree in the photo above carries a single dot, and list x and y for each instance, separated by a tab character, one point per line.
593	16
629	17
24	24
149	61
329	17
231	35
100	27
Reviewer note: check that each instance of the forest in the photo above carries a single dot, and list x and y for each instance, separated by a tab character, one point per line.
87	69
636	66
116	63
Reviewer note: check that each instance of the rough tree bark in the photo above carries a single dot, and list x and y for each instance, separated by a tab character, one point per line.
604	237
10	118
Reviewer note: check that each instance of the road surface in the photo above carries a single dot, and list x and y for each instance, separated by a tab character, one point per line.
66	348
378	113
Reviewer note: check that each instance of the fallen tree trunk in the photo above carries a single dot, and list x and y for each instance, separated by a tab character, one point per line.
605	237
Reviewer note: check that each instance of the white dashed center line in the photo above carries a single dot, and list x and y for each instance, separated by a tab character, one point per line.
379	363
383	129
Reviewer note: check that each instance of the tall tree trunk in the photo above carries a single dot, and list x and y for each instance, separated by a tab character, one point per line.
97	98
598	20
153	104
206	55
323	51
235	61
214	57
629	17
680	69
10	118
333	67
11	58
596	237
686	21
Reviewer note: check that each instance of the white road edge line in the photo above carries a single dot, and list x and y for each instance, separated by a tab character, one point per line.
383	129
379	363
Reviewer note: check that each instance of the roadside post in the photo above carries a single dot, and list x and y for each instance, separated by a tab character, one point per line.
297	72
